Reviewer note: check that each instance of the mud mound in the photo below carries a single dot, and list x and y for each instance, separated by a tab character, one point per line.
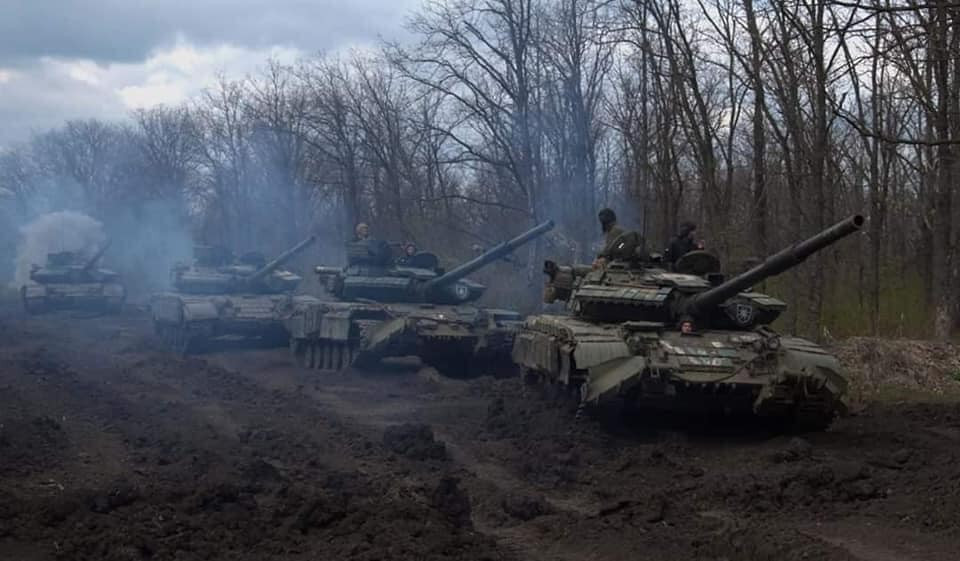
29	445
335	516
42	362
414	441
891	367
813	484
766	544
451	500
525	507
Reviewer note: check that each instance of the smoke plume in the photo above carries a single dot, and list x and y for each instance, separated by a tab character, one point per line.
58	231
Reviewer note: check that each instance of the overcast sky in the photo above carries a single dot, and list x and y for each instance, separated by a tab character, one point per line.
66	59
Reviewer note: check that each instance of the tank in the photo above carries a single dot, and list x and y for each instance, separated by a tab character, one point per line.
221	296
381	305
684	339
68	280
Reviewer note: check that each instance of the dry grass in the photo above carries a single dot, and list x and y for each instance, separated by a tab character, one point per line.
882	369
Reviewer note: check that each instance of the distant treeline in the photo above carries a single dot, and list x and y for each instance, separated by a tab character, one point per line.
762	122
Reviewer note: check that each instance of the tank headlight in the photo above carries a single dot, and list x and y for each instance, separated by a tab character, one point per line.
773	343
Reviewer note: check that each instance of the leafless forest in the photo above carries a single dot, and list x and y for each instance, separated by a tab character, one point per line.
763	121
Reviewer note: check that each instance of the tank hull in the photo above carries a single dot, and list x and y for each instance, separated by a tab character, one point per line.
758	372
457	340
187	322
99	296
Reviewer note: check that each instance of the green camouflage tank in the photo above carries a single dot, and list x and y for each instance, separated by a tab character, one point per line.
221	296
384	306
685	339
69	281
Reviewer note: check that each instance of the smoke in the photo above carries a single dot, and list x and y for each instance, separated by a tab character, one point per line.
58	231
144	244
147	242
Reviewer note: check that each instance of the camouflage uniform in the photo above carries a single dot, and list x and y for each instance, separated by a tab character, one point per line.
608	222
611	236
682	244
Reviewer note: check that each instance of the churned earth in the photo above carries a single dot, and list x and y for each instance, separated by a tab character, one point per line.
113	449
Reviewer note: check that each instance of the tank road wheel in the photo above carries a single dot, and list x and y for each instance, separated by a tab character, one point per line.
321	354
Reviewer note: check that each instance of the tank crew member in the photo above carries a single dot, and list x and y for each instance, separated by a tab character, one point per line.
409	250
683	243
361	232
611	231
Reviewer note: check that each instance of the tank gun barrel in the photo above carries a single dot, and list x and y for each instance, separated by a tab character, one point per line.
262	272
774	265
488	256
96	257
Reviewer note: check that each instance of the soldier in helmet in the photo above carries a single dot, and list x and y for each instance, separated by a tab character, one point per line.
683	243
611	231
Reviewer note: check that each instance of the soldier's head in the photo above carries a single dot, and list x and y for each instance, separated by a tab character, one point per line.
607	219
686	229
410	249
362	231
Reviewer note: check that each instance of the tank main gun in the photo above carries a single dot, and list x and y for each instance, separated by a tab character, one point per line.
487	257
262	272
773	265
96	257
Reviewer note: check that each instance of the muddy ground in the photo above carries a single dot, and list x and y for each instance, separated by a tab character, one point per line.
112	449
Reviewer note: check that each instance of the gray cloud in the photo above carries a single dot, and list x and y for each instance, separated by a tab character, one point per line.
128	30
79	59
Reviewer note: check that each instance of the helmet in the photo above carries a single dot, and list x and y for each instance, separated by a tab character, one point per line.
686	228
607	216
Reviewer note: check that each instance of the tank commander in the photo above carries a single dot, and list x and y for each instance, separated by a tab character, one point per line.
409	250
361	232
683	243
611	231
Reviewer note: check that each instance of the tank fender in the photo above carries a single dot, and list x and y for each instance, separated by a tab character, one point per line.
612	378
334	326
385	333
588	354
802	359
536	351
802	356
296	325
166	308
199	311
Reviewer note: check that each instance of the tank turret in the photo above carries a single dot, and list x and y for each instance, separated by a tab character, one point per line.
216	271
67	280
373	274
634	288
70	267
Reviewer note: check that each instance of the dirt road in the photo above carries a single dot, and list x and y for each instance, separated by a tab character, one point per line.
111	448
